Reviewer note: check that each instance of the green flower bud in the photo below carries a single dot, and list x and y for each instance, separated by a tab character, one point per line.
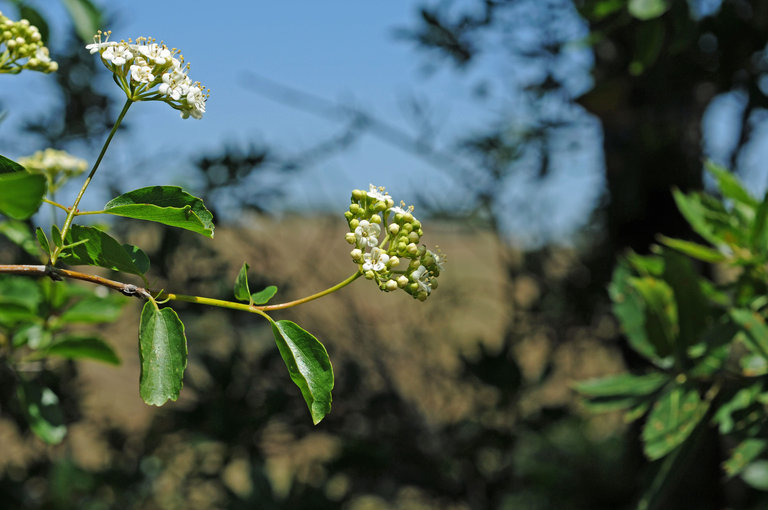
369	275
350	237
407	228
358	194
355	209
379	206
402	281
357	255
376	219
408	217
354	223
422	296
391	285
413	237
393	228
348	215
412	249
393	261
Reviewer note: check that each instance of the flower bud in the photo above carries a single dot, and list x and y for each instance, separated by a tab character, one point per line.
355	209
354	223
380	206
413	237
348	215
407	228
369	275
393	228
393	261
391	285
350	237
358	194
376	219
422	296
408	217
402	281
412	249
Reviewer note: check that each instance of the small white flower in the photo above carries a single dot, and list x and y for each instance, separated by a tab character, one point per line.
141	72
439	259
375	261
367	234
42	54
118	54
377	193
175	84
156	54
421	277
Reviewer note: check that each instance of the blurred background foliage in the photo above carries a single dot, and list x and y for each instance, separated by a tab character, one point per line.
462	403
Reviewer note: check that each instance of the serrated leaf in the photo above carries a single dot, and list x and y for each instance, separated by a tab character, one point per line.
747	451
100	249
79	347
163	354
308	365
19	234
21	194
242	293
169	205
729	185
695	250
86	17
41	407
263	296
672	419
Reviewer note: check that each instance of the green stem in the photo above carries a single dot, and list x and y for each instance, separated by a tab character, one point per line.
72	211
320	294
56	204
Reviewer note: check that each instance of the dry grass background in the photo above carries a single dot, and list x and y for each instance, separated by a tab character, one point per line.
415	347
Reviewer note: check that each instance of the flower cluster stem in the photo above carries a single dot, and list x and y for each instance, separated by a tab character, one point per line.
73	210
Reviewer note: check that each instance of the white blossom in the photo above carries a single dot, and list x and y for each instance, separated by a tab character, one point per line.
421	276
377	193
376	260
141	72
118	54
367	234
157	54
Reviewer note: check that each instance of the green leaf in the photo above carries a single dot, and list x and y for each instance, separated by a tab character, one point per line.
699	216
138	257
629	309
19	234
747	451
168	205
729	185
41	406
672	419
163	354
693	308
263	296
42	240
21	194
758	238
660	313
620	391
694	250
20	290
10	166
755	332
735	413
647	9
756	475
94	310
86	17
56	236
242	293
308	365
100	249
34	336
77	347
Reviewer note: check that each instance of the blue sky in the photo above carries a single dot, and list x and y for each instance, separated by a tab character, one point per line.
341	51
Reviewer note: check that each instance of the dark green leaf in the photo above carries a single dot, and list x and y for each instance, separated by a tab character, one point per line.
163	354
672	419
99	249
56	236
694	250
242	293
86	17
308	365
41	406
42	240
139	258
94	309
20	290
21	194
168	205
758	238
693	309
619	392
660	312
18	232
629	309
34	336
732	413
747	451
698	215
77	347
10	166
263	296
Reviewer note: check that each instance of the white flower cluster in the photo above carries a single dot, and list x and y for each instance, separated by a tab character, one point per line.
148	71
372	213
21	47
57	166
